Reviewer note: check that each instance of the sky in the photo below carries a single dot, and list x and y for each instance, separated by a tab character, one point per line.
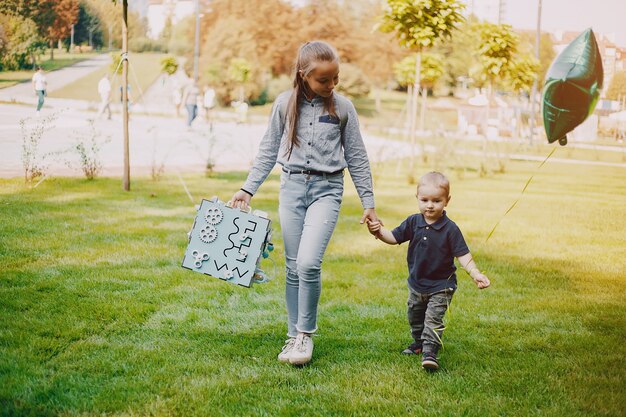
603	16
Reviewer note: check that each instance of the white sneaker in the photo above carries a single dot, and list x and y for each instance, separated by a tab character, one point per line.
283	356
302	350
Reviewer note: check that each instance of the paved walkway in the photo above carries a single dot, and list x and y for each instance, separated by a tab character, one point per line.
155	141
23	92
158	139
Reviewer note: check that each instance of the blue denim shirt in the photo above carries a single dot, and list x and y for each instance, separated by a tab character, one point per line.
321	146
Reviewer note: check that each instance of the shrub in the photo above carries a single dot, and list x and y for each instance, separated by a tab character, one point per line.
352	81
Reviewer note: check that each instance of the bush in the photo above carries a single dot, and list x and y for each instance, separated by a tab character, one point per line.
169	65
144	44
277	86
352	82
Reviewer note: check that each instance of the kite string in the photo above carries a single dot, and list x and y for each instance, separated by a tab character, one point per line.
521	194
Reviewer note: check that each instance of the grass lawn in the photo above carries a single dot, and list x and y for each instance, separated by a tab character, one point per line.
61	59
98	318
144	70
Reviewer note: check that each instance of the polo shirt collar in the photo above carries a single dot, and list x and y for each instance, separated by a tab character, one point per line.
421	222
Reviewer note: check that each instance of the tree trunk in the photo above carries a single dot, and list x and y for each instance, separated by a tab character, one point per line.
416	87
422	118
51	50
126	180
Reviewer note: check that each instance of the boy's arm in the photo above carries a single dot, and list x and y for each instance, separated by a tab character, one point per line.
467	262
377	229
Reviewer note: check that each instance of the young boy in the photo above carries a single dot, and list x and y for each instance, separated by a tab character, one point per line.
434	242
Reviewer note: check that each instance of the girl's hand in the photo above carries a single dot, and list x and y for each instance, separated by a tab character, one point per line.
369	215
240	200
481	280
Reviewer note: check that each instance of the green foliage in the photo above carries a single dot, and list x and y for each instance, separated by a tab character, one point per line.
352	81
145	44
88	30
496	50
19	43
115	66
523	73
278	85
169	65
418	24
239	70
546	52
431	70
617	87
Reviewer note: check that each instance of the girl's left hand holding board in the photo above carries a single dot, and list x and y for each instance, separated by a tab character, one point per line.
240	200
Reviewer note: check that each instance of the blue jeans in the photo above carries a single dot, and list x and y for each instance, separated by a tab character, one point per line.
192	112
40	95
308	209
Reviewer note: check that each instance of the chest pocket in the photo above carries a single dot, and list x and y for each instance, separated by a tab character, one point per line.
328	127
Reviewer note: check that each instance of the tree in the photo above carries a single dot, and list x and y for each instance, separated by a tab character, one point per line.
418	25
353	82
20	42
169	65
496	48
496	52
88	28
53	18
60	18
239	71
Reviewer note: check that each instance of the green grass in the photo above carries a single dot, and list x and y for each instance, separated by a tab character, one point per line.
144	70
98	318
61	59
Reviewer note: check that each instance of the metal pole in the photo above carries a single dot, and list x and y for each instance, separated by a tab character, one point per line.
126	179
533	91
196	49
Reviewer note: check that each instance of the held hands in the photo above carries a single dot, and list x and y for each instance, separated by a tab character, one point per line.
369	215
240	200
374	228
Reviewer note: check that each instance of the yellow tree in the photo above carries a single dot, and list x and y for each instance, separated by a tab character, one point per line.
418	25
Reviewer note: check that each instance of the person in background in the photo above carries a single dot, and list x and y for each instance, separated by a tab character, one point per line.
208	102
40	85
190	99
104	89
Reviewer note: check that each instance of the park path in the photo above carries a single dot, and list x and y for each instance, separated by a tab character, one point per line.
23	92
158	139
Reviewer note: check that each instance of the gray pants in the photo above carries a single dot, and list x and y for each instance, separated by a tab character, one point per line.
308	209
425	313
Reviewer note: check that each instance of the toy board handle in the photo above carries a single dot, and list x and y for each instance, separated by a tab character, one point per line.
229	204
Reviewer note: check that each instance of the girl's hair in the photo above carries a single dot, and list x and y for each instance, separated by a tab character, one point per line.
437	179
309	55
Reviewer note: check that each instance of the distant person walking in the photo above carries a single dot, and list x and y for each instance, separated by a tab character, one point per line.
104	89
190	98
208	102
40	85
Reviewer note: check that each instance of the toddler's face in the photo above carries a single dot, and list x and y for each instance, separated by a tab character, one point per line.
432	200
323	78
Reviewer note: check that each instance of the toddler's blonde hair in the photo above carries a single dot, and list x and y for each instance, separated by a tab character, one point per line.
437	179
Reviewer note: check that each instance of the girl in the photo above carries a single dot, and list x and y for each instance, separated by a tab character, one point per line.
314	134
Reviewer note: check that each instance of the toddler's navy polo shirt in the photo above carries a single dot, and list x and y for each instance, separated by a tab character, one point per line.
431	253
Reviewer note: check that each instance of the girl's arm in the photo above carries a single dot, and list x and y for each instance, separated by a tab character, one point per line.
467	262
